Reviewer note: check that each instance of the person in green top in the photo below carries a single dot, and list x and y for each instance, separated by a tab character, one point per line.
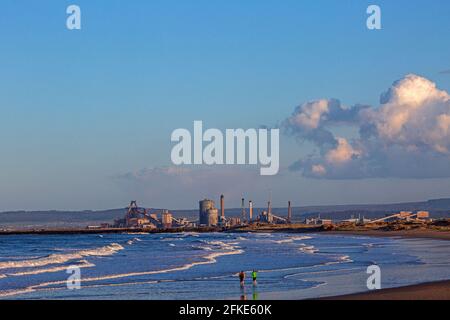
254	276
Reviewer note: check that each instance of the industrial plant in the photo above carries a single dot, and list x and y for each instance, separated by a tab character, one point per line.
141	218
209	216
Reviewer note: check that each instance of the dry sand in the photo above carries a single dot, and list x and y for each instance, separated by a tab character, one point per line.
427	234
427	291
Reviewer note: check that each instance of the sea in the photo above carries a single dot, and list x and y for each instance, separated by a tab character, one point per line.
198	266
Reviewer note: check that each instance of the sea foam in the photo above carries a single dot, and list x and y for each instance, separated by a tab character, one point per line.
62	258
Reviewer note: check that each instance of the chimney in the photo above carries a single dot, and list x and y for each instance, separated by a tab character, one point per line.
250	206
243	209
222	207
289	212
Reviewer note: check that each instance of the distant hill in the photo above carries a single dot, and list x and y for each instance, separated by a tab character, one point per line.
35	219
439	208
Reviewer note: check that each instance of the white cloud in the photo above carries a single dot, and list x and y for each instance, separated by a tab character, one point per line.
318	169
310	121
408	135
414	114
343	153
310	114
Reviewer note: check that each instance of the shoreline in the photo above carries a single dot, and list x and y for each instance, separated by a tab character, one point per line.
294	229
439	290
409	234
79	231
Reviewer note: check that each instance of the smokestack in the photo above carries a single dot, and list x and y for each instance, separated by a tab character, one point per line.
289	212
243	209
222	207
269	207
250	206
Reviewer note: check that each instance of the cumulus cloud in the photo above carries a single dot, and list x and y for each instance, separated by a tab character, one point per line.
315	114
413	114
311	120
342	154
407	136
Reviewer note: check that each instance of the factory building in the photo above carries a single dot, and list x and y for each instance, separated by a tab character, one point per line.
406	216
266	217
318	221
208	214
213	217
166	219
359	220
423	215
234	221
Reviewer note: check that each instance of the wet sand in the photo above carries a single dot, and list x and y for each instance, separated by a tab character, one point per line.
405	231
427	291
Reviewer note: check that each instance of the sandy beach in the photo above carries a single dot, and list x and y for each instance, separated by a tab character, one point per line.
419	234
427	291
432	230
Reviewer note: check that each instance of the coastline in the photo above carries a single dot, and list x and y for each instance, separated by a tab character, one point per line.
422	231
416	233
436	291
426	233
78	231
410	234
439	290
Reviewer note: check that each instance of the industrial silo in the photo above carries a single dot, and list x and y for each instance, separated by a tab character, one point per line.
205	206
213	217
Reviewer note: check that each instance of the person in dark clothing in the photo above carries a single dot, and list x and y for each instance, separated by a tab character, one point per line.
242	278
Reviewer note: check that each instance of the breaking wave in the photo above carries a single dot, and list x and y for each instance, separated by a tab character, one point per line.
308	249
80	264
211	258
62	258
292	239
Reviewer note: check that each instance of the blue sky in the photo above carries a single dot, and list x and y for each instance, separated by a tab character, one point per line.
79	108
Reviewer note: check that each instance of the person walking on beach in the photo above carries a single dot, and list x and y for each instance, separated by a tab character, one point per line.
254	276
242	278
